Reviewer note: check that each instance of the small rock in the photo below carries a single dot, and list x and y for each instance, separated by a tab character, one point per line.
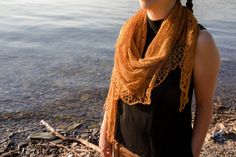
57	141
219	136
94	125
73	126
84	97
42	135
208	137
74	144
95	131
234	128
84	135
22	144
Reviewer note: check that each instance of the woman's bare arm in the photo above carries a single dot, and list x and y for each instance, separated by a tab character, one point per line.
206	68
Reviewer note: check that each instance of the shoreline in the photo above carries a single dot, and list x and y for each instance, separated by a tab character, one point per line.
86	107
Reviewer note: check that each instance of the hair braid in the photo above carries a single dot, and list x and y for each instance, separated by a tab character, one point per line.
189	5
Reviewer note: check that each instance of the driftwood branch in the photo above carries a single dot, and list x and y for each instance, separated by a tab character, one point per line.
57	134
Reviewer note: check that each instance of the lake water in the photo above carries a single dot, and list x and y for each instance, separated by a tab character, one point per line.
52	47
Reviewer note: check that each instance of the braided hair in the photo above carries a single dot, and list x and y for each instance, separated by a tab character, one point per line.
189	5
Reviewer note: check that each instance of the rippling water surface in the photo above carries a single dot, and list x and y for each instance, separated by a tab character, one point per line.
52	47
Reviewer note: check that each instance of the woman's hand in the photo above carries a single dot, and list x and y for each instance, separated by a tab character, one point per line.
104	145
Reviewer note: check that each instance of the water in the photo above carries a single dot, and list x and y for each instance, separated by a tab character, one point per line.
52	47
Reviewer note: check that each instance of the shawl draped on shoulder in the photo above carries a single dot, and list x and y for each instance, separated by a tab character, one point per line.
134	77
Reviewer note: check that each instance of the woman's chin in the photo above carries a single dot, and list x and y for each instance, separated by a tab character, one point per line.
146	4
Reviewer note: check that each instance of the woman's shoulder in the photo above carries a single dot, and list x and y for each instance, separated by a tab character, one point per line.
207	52
206	45
205	38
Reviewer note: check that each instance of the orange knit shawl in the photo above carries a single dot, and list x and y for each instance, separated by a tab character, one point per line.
133	77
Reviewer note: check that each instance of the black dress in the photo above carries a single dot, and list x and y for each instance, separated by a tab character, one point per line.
158	129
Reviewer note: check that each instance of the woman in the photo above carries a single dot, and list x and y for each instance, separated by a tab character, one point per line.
162	54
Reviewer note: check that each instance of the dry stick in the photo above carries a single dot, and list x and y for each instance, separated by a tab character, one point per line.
85	142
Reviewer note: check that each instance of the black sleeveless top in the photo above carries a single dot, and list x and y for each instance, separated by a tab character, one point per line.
158	129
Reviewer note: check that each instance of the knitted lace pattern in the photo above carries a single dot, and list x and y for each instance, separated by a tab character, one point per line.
134	77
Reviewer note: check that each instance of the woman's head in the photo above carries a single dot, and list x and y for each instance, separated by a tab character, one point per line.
152	4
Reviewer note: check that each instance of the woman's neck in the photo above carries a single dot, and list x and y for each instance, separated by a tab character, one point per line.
160	10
